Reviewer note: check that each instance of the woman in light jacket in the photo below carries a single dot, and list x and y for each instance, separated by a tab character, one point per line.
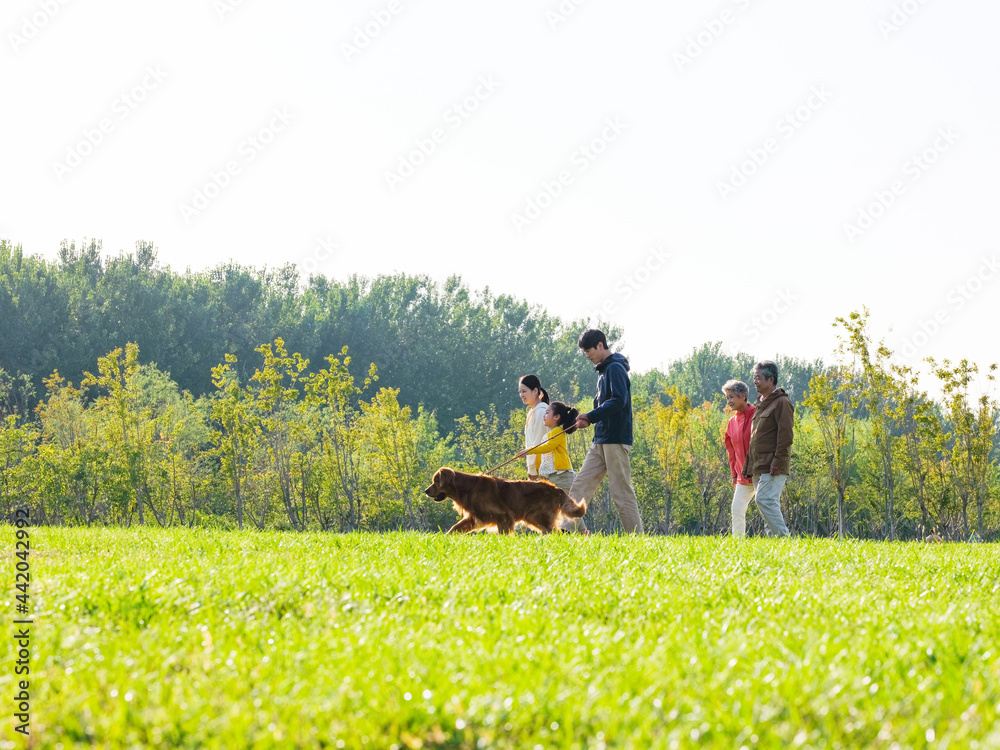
529	388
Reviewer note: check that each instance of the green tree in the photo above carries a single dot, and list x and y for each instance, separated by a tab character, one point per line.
709	464
668	427
973	427
276	400
701	374
808	493
334	395
16	394
924	444
235	439
391	438
127	425
433	452
17	444
181	438
484	442
72	464
831	398
881	386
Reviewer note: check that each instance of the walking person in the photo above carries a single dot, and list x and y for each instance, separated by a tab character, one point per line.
612	420
770	454
737	445
529	388
555	465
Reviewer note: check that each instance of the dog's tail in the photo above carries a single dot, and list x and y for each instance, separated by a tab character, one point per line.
573	509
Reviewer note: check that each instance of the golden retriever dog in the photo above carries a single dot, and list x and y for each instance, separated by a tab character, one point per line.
488	501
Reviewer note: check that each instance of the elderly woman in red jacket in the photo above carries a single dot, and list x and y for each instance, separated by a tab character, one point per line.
737	445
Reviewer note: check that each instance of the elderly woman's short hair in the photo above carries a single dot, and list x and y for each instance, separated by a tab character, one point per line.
737	387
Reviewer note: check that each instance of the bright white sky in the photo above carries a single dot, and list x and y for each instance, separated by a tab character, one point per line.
633	114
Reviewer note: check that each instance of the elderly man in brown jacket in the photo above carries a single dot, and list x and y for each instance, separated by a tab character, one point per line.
770	452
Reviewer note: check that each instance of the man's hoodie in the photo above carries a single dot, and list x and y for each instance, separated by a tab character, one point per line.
612	414
771	435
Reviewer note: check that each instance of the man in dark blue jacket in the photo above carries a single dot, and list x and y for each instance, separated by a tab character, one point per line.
612	420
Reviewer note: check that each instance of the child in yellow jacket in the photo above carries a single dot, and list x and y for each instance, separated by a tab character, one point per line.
555	465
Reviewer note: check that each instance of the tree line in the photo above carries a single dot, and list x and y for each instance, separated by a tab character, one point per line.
279	439
441	345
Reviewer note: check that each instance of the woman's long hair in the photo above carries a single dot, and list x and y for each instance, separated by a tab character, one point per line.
532	383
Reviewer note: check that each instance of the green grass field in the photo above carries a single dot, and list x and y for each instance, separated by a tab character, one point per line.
207	639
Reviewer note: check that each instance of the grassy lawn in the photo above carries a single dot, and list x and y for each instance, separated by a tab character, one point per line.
214	639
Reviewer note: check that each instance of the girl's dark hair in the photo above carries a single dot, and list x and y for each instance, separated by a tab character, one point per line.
531	382
567	416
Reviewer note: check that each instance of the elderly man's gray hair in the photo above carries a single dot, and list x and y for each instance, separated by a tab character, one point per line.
737	387
768	369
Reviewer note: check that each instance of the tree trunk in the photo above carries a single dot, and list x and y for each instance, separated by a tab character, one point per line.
239	498
890	501
965	516
923	504
138	501
840	511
